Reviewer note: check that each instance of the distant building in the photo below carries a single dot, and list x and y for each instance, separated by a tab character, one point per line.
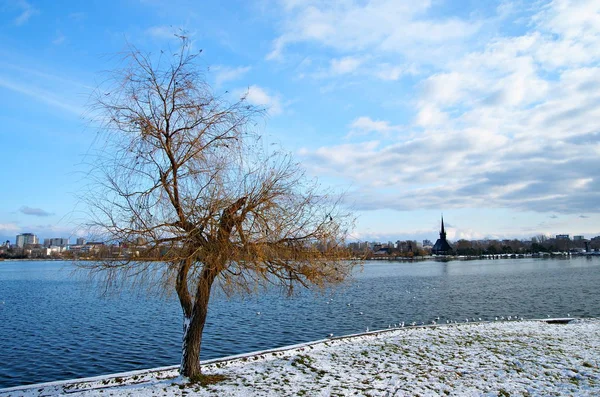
578	238
81	241
562	237
382	251
427	243
25	239
441	246
56	242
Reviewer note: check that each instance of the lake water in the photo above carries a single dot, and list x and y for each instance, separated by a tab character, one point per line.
54	326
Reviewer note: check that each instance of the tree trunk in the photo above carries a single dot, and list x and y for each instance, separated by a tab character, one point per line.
194	325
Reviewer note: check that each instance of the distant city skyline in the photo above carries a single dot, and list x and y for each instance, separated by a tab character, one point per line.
32	238
486	112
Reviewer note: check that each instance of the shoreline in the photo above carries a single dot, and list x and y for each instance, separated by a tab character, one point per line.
449	258
555	338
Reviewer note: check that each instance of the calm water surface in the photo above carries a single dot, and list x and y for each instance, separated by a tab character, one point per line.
54	326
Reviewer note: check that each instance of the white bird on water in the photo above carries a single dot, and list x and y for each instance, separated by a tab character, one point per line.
258	313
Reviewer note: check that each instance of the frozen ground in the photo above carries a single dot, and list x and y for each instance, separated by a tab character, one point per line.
484	359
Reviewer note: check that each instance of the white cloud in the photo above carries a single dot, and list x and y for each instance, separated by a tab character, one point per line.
385	71
27	11
162	32
502	126
377	26
364	125
259	96
9	228
41	95
345	65
59	39
226	73
430	116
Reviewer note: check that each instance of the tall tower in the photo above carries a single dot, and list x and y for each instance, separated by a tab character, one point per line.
443	232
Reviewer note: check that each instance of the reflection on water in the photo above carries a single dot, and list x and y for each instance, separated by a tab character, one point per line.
54	326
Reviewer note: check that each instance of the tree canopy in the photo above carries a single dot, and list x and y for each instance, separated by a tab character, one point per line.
184	178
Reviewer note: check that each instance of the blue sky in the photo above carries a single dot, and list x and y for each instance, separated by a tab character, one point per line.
486	111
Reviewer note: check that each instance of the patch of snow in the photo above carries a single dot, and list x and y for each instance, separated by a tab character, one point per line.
493	358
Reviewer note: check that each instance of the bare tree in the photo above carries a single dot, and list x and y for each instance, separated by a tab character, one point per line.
183	179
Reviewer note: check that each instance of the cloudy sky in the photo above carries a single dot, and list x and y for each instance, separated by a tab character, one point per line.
487	111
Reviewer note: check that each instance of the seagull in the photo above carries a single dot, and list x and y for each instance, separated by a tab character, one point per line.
360	313
258	313
367	329
330	335
496	318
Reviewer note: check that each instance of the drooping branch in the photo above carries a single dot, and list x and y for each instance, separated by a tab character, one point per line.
188	191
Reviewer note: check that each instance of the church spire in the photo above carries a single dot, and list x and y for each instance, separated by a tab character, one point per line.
443	232
441	246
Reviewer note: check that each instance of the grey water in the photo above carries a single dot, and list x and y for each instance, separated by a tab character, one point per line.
56	326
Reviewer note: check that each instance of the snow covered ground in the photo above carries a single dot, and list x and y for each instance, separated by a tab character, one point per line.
521	358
